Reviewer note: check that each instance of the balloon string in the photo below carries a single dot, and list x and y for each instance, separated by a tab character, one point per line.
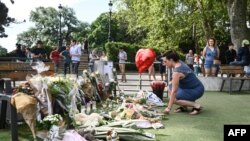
140	81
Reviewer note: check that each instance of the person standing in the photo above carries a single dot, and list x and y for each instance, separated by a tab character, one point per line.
54	57
196	64
185	87
201	63
75	53
151	72
39	52
86	46
104	57
190	59
28	55
92	58
211	53
162	67
67	59
230	54
122	56
20	54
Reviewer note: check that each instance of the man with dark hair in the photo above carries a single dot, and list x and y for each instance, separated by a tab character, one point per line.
230	54
75	53
39	52
162	67
67	59
20	53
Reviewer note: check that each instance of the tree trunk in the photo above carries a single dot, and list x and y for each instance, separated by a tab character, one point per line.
237	10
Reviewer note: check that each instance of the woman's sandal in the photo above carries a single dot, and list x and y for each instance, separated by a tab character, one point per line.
195	111
180	109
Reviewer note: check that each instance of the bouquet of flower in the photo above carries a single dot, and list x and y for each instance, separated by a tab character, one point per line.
158	88
25	88
60	86
93	78
51	120
110	86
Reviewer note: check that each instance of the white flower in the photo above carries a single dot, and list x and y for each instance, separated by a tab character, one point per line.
106	84
85	71
92	75
97	73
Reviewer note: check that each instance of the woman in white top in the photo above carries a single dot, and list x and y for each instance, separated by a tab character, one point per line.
104	57
122	60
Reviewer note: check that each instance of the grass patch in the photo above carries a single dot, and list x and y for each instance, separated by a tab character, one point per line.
218	109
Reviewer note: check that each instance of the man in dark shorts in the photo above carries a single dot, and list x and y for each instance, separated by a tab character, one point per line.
162	67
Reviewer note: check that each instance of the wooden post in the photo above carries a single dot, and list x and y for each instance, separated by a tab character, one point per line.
13	113
3	105
6	86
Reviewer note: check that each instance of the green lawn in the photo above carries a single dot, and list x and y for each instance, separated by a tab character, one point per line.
218	109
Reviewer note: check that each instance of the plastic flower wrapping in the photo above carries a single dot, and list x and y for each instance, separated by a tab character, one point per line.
40	67
158	85
59	85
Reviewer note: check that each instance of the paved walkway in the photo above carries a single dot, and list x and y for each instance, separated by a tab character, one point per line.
132	85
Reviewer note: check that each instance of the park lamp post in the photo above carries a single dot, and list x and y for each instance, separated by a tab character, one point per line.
110	13
60	28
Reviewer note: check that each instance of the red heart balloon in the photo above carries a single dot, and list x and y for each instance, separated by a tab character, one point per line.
144	59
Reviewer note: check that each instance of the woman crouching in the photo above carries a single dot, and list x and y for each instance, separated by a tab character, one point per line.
185	87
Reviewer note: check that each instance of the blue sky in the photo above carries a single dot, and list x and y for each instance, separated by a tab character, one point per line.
86	10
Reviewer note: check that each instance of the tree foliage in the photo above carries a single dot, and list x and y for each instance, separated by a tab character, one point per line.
99	29
81	32
46	28
3	51
167	23
5	20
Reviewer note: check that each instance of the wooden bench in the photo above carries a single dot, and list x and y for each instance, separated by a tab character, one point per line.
18	71
232	73
12	72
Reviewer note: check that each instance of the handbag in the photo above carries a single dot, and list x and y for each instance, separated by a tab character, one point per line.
217	62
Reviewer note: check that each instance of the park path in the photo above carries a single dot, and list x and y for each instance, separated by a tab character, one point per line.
132	85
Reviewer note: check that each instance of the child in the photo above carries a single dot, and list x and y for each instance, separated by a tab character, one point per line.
196	64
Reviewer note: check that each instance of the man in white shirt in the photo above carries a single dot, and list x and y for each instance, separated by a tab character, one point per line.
75	53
